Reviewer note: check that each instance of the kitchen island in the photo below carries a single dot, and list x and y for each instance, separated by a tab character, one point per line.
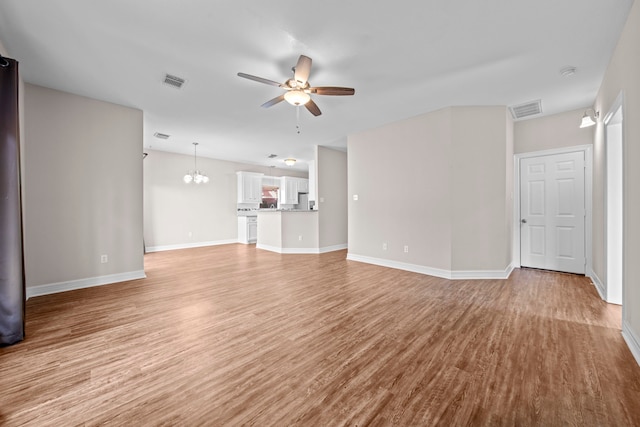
288	231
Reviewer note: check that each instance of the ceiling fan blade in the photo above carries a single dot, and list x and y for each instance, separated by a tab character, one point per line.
259	79
273	101
332	90
313	108
302	69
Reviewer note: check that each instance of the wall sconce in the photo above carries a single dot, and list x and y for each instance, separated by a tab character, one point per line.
589	119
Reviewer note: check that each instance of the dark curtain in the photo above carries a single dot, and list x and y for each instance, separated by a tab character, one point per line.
12	285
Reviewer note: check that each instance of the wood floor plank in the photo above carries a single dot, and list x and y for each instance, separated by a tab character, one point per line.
232	335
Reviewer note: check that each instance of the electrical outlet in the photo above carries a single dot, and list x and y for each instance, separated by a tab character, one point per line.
190	234
300	238
384	246
104	259
406	249
355	197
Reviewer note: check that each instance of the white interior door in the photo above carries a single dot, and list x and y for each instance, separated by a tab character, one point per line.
552	212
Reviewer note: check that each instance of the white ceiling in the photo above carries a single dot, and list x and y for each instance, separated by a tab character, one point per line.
403	58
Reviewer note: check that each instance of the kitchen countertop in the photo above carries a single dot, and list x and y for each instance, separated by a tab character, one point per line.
256	211
285	210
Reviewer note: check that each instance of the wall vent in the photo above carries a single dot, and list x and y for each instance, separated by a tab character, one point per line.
174	81
525	110
161	135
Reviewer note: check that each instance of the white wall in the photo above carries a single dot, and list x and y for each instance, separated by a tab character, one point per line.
331	169
83	188
183	215
509	184
479	212
622	75
554	131
296	224
438	184
400	173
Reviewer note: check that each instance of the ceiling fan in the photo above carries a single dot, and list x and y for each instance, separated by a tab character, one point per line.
298	89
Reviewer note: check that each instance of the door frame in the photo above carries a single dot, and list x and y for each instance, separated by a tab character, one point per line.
588	183
618	104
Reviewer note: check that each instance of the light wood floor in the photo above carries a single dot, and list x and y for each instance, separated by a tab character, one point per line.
231	335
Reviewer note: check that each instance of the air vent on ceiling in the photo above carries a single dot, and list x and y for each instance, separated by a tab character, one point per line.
272	156
174	81
525	110
161	135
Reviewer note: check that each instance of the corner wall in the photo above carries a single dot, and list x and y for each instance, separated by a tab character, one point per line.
331	167
479	237
438	185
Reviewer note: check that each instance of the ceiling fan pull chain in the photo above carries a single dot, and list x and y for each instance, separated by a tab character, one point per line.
298	119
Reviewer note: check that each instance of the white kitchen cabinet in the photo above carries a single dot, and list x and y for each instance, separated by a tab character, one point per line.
303	185
252	229
249	187
288	191
247	229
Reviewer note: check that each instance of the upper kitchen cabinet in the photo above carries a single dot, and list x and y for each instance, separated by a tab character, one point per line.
303	185
249	187
288	190
290	187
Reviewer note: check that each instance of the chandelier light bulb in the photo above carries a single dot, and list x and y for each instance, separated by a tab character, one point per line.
195	175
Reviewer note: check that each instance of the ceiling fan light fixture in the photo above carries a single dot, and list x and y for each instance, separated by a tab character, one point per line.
290	161
297	97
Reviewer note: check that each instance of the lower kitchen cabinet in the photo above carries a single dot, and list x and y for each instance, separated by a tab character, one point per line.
247	229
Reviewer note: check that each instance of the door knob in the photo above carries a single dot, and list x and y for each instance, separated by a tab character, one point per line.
524	221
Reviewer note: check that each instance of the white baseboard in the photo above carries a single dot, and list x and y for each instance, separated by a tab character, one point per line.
53	288
632	340
482	274
190	245
597	283
437	272
332	248
301	250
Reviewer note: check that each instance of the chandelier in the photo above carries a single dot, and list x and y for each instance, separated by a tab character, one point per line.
195	175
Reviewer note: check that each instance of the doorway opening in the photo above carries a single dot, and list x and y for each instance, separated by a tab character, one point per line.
614	202
561	252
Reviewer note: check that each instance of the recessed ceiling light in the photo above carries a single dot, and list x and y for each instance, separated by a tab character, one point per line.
568	71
